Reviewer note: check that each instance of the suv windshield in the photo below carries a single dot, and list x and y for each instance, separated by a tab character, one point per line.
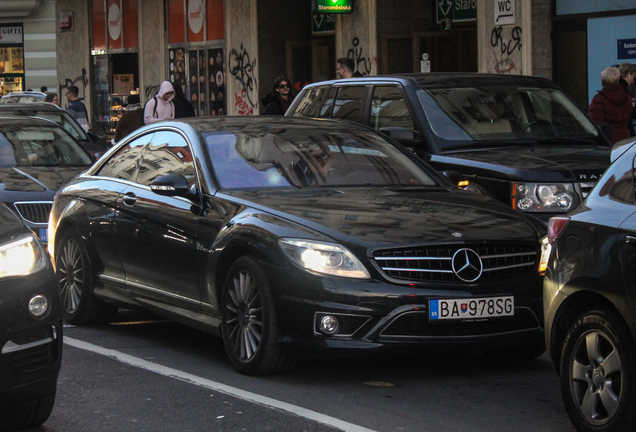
310	158
39	146
468	115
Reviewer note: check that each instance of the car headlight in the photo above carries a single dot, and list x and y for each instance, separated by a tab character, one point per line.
539	197
326	258
21	257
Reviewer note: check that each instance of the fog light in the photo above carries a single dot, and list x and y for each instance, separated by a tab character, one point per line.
38	306
525	204
564	201
329	324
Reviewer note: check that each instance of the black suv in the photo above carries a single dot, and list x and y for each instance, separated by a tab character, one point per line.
519	139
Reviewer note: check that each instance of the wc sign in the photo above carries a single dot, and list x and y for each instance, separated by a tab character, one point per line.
504	12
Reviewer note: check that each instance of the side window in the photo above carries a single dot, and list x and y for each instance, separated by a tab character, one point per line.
348	104
309	105
389	109
325	112
168	153
125	163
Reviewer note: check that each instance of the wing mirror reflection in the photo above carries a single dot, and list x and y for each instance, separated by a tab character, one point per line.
402	135
170	185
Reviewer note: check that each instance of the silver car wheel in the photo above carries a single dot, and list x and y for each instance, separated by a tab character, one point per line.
596	377
71	275
245	316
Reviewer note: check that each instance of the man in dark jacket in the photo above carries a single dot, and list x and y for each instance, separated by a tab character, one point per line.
132	120
612	105
182	106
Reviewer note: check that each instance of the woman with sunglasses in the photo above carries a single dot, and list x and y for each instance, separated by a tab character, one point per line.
277	102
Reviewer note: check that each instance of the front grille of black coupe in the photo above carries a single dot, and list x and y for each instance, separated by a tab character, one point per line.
34	212
417	324
434	263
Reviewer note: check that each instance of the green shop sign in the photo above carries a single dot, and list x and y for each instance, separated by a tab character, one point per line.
334	6
456	10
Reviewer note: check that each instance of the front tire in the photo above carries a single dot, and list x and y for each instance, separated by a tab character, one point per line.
598	375
250	332
27	415
75	277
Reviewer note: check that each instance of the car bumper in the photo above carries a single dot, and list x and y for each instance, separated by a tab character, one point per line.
375	315
30	347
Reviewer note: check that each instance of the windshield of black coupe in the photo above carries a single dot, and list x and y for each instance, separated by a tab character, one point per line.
39	146
304	158
498	113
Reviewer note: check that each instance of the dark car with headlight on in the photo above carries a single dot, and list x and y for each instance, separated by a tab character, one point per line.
519	139
290	237
36	158
30	327
590	300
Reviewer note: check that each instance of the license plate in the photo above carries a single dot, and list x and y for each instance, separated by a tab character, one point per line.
43	235
458	309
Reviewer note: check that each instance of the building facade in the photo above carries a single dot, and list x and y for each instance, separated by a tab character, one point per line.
227	53
27	45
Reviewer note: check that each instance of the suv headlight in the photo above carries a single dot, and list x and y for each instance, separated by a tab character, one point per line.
326	258
21	257
540	197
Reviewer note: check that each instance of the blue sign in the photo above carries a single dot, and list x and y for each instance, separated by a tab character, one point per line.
626	49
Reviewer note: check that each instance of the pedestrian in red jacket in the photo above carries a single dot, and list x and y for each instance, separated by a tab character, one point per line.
612	105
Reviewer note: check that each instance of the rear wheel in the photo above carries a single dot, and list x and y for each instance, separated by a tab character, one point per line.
75	277
27	415
250	333
598	374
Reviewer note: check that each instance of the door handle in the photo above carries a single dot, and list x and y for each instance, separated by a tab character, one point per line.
630	240
130	199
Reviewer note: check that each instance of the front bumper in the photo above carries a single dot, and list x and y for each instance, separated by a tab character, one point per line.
30	347
375	315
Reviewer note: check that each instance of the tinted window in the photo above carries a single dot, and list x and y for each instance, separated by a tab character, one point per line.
348	104
310	158
309	105
168	153
66	121
40	146
125	163
325	112
388	108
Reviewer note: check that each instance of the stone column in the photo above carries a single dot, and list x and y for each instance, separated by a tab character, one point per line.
73	51
356	36
505	47
152	48
241	42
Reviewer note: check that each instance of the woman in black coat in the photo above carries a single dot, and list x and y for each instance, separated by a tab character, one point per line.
281	97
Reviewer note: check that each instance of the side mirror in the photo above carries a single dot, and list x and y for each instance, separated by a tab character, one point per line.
170	185
402	135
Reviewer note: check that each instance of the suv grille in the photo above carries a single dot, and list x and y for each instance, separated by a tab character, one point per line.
434	263
586	188
34	212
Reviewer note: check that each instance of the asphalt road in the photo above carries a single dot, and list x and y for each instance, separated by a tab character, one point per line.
146	374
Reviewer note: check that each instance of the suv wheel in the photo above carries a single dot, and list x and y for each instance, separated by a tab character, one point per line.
598	376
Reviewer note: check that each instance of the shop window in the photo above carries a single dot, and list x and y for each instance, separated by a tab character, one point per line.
114	24
196	18
203	19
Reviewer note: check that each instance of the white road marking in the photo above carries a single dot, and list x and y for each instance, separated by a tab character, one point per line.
222	388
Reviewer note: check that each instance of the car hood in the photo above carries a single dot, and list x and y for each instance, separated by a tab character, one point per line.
384	217
530	163
36	179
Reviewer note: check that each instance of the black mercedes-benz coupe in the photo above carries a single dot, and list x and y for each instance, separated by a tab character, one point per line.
295	236
590	301
30	327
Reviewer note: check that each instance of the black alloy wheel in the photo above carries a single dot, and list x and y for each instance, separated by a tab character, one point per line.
74	274
598	379
250	334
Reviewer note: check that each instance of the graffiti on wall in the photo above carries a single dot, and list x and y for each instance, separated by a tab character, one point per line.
151	90
356	52
81	82
242	67
504	47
